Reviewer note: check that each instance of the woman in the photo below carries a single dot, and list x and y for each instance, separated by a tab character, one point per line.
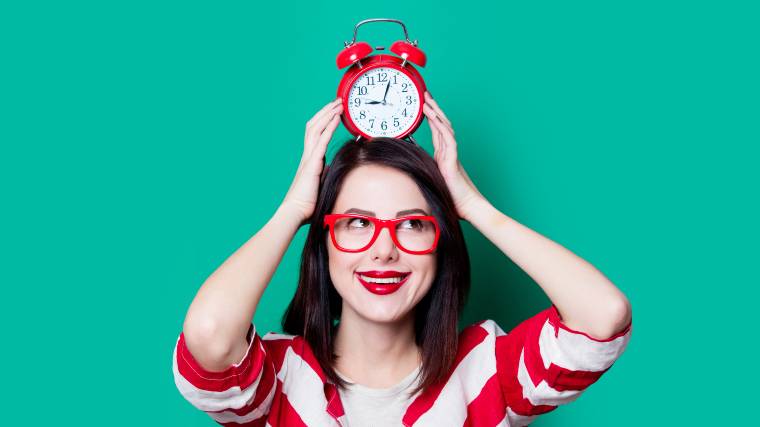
372	329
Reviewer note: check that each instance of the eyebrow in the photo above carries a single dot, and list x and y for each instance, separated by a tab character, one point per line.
399	213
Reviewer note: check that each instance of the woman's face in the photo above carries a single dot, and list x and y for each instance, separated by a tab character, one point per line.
381	192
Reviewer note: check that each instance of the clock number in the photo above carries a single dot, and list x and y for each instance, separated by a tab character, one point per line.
404	112
362	90
404	87
362	115
383	77
384	125
371	123
370	80
408	99
357	102
396	122
394	79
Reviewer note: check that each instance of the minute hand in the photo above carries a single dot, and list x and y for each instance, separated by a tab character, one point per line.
386	91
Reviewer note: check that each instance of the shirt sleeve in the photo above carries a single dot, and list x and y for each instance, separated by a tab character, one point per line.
542	364
242	393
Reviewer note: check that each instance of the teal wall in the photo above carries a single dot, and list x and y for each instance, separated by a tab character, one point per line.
141	143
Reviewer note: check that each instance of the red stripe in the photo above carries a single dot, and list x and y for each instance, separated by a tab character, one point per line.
276	348
562	379
557	377
241	376
488	409
262	392
556	321
303	349
283	413
334	405
508	348
469	338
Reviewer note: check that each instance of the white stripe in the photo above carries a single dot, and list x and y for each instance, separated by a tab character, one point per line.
275	336
577	352
261	410
542	394
304	390
467	380
517	420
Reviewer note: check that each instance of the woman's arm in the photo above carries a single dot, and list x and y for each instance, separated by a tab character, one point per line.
218	319
586	300
217	322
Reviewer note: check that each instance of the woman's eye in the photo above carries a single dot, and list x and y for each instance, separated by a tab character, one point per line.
411	224
358	223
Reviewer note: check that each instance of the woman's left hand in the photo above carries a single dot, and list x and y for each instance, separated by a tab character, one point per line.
464	192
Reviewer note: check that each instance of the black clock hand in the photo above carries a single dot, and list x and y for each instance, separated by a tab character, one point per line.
373	102
386	91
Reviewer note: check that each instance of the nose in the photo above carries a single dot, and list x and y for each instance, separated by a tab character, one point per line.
384	249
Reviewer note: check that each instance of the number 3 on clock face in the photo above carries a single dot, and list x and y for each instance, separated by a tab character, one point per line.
383	101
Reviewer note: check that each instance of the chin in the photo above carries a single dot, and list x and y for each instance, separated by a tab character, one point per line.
382	317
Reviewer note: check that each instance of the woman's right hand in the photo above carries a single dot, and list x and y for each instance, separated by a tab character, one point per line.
302	194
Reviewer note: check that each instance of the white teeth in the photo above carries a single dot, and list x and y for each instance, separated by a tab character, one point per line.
379	280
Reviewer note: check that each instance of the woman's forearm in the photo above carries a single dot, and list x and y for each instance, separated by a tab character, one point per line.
218	319
586	300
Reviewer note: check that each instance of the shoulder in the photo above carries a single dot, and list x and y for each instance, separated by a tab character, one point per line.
478	341
292	353
481	331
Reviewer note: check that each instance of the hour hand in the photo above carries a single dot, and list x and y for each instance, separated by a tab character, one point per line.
373	102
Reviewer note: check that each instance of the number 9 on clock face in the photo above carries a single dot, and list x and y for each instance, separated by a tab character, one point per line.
384	101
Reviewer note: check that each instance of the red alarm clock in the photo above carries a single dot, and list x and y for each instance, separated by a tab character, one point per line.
382	94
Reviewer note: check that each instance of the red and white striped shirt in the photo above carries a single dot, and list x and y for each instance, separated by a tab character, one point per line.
498	379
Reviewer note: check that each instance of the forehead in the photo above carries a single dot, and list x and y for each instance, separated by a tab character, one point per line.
380	189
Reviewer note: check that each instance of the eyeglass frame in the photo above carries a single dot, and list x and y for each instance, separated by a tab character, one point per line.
379	224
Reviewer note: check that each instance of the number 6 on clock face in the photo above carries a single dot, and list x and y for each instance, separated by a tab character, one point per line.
383	101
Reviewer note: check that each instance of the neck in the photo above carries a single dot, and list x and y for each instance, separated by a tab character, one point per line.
375	354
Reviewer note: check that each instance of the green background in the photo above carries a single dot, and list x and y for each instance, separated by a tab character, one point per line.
143	142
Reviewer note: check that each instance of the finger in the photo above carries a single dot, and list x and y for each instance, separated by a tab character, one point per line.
436	119
324	110
433	130
436	128
326	136
450	143
318	127
447	142
437	115
429	99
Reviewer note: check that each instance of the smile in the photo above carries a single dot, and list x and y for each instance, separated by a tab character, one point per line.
378	285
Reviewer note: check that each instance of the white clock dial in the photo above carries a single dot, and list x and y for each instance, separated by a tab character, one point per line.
383	102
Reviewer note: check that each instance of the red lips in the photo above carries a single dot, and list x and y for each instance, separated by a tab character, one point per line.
382	288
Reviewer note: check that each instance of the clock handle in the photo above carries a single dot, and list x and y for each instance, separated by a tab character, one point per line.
366	21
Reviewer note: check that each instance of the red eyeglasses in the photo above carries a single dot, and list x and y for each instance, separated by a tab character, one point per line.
417	235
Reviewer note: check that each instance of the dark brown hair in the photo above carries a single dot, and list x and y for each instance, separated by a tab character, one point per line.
316	305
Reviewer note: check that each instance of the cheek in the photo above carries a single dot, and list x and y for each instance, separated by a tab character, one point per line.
341	265
426	268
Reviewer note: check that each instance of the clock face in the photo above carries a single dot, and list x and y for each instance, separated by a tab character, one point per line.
383	102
